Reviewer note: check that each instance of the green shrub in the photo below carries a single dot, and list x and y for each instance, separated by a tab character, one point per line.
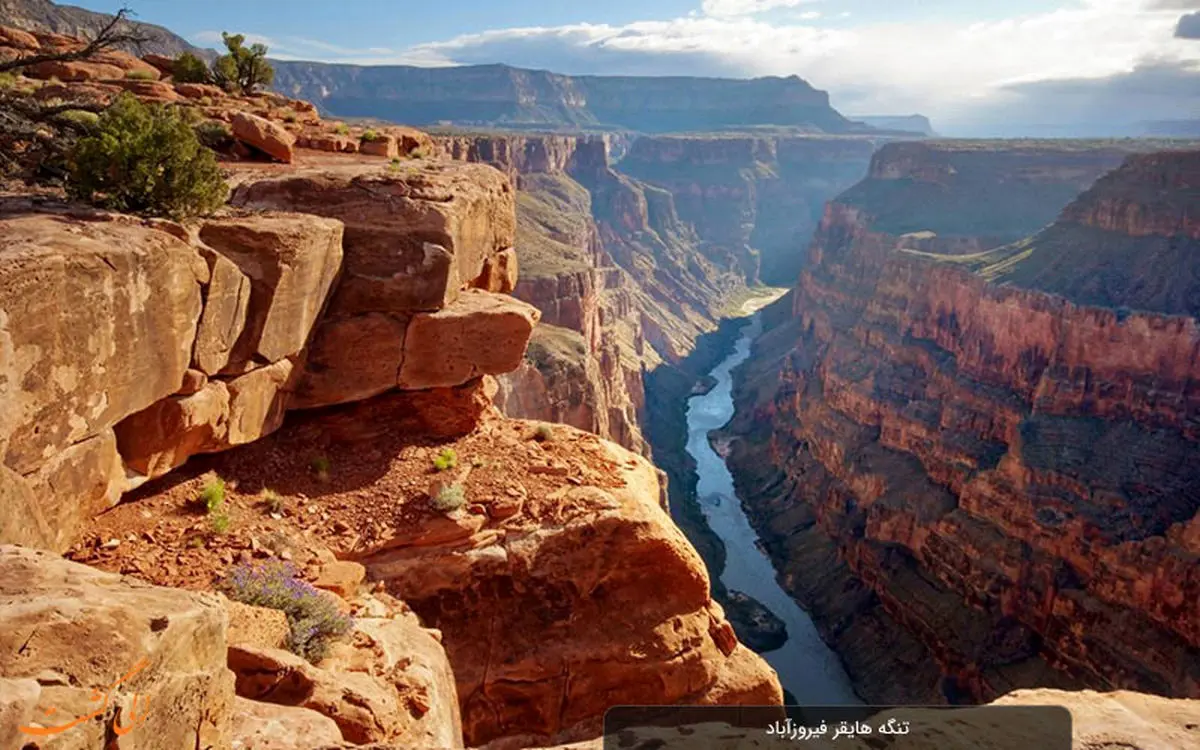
188	68
342	129
219	522
371	135
140	75
447	459
543	433
271	501
289	117
146	159
214	134
313	618
81	118
212	495
450	498
7	81
420	152
321	466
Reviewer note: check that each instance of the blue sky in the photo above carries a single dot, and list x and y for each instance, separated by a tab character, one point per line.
962	62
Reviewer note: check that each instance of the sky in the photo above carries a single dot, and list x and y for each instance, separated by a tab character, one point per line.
970	65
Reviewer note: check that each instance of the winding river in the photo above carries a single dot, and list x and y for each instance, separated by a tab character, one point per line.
808	669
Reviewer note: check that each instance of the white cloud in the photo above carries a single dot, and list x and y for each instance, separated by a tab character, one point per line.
731	8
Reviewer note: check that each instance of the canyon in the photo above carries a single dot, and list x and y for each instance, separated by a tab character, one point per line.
974	476
965	437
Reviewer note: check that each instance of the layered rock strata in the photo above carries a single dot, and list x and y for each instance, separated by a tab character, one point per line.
977	486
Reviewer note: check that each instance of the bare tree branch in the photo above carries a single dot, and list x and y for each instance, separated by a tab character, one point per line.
118	32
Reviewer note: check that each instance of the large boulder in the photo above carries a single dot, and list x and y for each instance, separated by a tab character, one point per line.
480	334
219	416
352	359
414	235
76	641
18	39
547	610
97	320
268	137
269	726
291	261
226	304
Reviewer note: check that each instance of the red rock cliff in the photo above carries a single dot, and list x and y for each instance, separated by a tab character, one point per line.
975	486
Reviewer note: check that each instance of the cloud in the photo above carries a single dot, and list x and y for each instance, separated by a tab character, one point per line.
1189	27
300	48
733	8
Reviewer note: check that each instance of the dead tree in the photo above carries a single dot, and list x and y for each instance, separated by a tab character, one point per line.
118	32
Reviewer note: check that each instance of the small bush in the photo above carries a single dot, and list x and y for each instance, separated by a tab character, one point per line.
420	152
188	68
212	495
219	522
81	118
321	466
450	498
543	433
342	129
140	75
289	117
370	135
244	69
313	618
271	501
7	81
214	134
447	459
146	160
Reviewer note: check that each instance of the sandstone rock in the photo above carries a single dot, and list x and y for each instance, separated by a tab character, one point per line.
264	135
166	434
381	687
481	333
268	726
1119	719
499	273
258	401
74	630
163	64
74	71
22	520
383	145
193	382
434	412
291	261
78	483
18	39
256	626
147	91
226	305
199	91
18	700
342	577
413	236
352	359
96	323
539	628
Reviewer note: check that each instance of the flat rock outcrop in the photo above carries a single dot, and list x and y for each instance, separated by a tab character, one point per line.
979	487
78	642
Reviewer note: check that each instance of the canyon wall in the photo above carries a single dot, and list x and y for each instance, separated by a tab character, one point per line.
977	486
753	200
508	97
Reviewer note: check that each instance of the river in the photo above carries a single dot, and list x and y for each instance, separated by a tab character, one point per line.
808	669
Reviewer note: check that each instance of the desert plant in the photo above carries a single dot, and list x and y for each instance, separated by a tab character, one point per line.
219	521
81	118
543	433
8	81
140	75
370	135
447	459
450	498
271	501
214	134
189	68
321	466
146	159
420	152
289	117
313	618
212	495
342	129
245	68
479	462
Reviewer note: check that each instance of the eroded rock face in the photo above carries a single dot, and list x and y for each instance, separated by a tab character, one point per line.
268	137
994	485
414	236
548	625
68	630
291	261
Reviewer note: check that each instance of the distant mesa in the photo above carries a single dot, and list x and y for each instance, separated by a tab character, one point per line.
903	123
